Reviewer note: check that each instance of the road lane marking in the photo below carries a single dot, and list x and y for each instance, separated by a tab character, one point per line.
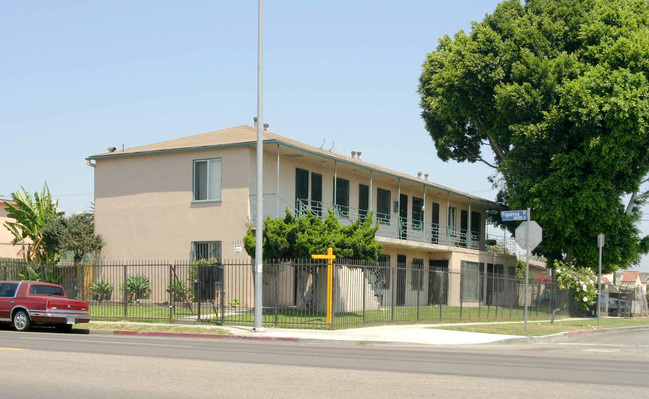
14	349
108	342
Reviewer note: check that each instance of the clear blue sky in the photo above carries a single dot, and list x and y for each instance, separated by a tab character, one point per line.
77	77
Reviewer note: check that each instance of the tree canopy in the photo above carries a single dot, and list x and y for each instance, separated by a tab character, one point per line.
553	95
291	238
74	234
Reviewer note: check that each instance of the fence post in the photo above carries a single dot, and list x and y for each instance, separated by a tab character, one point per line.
364	269
420	286
172	288
394	289
277	267
333	297
223	297
125	292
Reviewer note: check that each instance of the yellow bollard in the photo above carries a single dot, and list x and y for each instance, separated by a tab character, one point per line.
330	280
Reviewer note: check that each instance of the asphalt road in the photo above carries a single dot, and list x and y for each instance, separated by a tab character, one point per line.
46	364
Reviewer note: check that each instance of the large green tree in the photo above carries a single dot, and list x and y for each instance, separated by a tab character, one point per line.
73	234
28	215
293	238
554	95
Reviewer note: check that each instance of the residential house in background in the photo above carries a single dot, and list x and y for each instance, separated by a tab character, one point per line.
195	197
7	249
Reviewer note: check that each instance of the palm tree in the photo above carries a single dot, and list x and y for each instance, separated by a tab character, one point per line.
30	215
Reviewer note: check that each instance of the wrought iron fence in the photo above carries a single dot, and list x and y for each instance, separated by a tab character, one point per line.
295	293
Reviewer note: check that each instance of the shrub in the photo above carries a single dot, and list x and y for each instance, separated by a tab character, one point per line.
101	290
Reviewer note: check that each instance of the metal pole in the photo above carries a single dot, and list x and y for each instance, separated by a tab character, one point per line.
600	244
527	261
259	223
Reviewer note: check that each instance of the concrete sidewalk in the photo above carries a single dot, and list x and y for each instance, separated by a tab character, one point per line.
424	334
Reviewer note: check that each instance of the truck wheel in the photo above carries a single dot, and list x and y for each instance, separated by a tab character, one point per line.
22	321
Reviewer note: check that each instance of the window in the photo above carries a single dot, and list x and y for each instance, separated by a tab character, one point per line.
470	281
384	263
206	250
451	222
8	290
417	274
363	201
45	290
342	197
383	206
207	180
417	221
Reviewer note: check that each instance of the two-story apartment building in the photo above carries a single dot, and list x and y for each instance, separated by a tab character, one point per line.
195	197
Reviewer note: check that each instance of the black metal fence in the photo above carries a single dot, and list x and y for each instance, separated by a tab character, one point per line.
295	293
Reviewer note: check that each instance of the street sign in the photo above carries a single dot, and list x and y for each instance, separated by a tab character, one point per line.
510	216
536	234
600	240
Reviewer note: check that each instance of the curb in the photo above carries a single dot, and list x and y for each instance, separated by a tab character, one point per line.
560	335
196	335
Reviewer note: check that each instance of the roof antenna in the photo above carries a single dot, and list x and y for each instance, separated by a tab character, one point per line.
323	143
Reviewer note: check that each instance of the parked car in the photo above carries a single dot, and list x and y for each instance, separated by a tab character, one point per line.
617	306
27	303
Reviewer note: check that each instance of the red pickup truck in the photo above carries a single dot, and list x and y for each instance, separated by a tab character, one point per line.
27	303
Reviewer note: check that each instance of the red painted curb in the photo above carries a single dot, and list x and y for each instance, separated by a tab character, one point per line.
196	335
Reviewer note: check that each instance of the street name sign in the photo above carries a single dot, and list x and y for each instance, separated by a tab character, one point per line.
511	216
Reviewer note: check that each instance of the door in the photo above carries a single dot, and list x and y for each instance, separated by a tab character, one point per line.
301	191
363	201
438	282
403	217
316	194
434	237
401	280
464	227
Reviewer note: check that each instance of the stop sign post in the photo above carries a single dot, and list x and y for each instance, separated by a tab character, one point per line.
528	235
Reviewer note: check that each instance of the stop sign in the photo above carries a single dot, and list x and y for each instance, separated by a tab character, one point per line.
536	234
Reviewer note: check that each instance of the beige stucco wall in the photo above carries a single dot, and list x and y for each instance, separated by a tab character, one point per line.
7	250
144	208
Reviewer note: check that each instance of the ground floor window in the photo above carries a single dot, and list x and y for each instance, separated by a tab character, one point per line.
417	274
470	281
206	250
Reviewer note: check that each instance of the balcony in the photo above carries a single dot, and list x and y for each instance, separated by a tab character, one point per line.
390	226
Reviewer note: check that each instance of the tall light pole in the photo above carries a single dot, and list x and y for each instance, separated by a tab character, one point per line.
600	244
259	222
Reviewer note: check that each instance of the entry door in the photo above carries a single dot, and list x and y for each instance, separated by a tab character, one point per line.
401	280
438	282
403	217
435	226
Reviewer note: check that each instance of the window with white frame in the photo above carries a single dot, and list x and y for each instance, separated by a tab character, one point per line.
207	180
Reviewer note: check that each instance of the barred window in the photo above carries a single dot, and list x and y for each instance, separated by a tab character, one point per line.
417	274
470	281
206	250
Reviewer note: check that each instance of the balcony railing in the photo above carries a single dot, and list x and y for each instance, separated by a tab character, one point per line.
390	226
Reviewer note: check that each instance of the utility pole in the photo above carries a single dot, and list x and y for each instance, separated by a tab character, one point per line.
259	222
